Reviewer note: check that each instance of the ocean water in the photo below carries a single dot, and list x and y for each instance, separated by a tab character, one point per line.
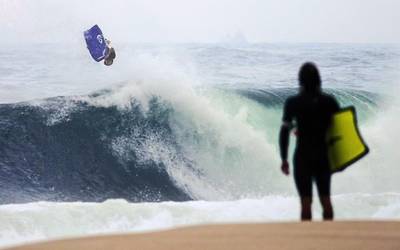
175	135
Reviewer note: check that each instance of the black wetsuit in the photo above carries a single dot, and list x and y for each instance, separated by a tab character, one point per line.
312	113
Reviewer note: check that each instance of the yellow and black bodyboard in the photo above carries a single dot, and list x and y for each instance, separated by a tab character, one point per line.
345	144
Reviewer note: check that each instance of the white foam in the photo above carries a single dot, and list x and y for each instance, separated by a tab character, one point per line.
39	221
230	156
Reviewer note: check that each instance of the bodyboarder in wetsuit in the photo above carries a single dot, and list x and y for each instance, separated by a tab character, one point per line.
310	112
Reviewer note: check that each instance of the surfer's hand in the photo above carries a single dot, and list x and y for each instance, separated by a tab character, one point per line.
285	168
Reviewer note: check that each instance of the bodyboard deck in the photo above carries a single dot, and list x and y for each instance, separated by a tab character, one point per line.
345	144
96	43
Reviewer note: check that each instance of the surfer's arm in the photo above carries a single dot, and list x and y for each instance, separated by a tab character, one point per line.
285	130
335	107
284	141
284	144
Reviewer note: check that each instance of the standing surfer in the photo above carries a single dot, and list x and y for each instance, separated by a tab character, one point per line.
311	111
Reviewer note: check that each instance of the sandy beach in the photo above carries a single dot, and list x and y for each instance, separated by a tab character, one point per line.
282	236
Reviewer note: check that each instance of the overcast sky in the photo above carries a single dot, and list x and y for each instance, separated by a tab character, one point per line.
365	21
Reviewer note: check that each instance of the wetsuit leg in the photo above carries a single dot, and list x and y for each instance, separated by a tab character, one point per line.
302	175
303	180
322	176
323	182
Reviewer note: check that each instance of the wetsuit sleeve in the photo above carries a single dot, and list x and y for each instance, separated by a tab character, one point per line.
287	113
336	106
285	130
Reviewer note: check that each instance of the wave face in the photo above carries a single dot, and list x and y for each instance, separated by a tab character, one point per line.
49	157
88	148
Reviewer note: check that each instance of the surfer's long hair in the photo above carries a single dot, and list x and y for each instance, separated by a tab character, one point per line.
309	78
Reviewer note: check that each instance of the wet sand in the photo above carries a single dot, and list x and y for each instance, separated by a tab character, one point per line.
283	236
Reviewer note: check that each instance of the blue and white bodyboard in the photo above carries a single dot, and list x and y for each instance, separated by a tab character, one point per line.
95	43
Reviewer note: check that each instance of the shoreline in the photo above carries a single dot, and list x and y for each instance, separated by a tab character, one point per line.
366	235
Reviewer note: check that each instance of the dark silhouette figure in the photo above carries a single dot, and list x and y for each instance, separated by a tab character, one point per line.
310	113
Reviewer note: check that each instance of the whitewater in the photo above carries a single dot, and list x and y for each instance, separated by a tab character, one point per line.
175	135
